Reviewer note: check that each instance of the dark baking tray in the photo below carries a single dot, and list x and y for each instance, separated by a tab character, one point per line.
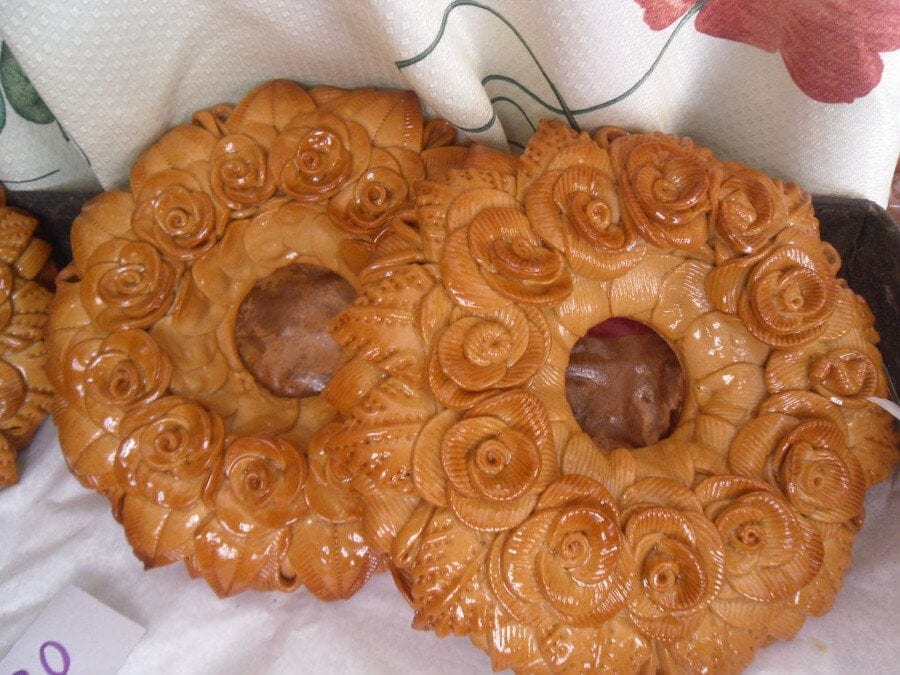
862	232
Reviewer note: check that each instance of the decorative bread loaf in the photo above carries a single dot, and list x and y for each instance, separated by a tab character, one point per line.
26	279
504	519
439	434
171	400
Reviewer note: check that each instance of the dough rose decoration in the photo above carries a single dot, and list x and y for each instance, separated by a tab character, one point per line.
127	285
575	207
669	188
679	557
502	260
846	371
490	466
25	293
378	194
752	209
478	354
317	153
569	562
847	375
788	298
503	518
259	497
770	552
785	294
115	374
168	450
239	176
799	443
176	215
203	449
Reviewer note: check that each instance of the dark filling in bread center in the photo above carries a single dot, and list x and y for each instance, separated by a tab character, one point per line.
282	329
624	385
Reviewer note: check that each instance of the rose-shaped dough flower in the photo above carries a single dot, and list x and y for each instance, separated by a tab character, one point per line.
262	485
577	211
239	173
168	450
176	215
477	355
114	374
127	285
788	298
752	209
799	444
317	154
844	375
679	557
365	207
846	372
491	466
770	554
498	259
568	562
668	189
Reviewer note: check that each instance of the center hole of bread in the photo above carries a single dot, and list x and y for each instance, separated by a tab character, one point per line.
282	329
624	385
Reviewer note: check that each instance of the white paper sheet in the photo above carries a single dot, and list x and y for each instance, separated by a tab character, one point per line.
74	633
53	532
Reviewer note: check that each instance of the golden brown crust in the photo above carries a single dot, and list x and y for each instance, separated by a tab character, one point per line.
444	441
507	522
25	392
200	460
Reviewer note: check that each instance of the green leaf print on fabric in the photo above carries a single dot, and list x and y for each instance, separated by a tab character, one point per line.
2	113
21	95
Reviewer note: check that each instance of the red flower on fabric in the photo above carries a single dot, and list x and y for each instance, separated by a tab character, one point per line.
831	49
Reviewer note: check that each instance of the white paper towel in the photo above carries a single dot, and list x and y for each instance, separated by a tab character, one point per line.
53	532
117	73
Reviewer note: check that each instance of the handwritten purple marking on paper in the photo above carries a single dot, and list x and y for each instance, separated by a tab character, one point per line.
62	655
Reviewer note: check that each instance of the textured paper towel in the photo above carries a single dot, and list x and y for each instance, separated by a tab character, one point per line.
53	532
117	73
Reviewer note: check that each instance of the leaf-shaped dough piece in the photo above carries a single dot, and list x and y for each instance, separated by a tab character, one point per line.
159	535
449	557
332	560
272	104
232	564
88	449
391	118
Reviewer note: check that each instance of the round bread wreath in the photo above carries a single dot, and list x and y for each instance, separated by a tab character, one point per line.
155	408
25	391
504	521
